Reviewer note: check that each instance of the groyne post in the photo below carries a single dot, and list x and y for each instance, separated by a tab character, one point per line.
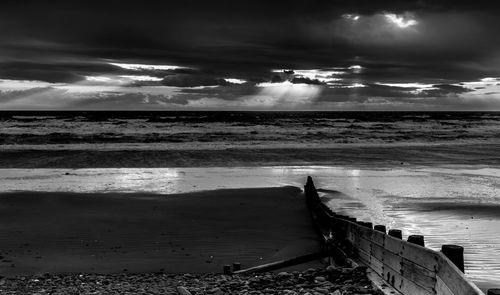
380	228
236	266
227	269
396	233
455	254
365	224
417	240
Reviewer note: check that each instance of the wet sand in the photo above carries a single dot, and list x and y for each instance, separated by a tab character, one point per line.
115	232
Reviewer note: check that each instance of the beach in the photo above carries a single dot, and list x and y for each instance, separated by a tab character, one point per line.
330	280
132	200
249	147
110	233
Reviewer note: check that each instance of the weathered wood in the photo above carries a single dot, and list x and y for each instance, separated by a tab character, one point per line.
392	260
365	224
283	263
393	245
419	275
364	256
403	284
365	232
236	266
456	255
341	224
381	284
407	265
352	233
350	236
226	269
397	233
377	251
378	238
416	239
364	244
454	279
441	288
377	265
419	255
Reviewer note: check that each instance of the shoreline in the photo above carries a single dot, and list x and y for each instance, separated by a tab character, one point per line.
384	155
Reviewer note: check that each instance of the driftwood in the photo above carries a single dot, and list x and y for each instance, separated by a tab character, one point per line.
283	263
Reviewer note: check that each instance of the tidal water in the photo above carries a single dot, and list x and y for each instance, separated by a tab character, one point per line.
208	129
447	204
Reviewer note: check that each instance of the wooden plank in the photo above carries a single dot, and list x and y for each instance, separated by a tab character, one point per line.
377	252
365	232
409	287
420	255
441	288
355	235
393	245
340	222
283	263
381	284
419	275
377	266
454	279
351	233
364	244
378	238
340	226
402	284
392	260
351	237
364	257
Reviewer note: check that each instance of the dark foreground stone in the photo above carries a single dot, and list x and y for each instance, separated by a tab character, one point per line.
336	281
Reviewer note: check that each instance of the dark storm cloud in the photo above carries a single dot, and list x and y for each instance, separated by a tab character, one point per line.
66	41
192	80
239	36
126	101
302	80
55	72
232	92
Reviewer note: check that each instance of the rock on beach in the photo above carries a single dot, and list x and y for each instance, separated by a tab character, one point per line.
337	281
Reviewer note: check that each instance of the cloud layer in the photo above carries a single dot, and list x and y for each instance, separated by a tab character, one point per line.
250	55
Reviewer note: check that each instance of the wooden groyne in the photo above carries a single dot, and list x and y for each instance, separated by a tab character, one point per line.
407	266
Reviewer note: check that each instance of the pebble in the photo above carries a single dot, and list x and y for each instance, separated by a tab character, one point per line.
327	281
320	279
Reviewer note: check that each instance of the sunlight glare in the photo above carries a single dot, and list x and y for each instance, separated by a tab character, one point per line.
400	21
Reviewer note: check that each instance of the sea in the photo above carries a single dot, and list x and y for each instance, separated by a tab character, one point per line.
448	203
214	129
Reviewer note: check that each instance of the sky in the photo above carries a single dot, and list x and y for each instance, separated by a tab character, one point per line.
250	55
